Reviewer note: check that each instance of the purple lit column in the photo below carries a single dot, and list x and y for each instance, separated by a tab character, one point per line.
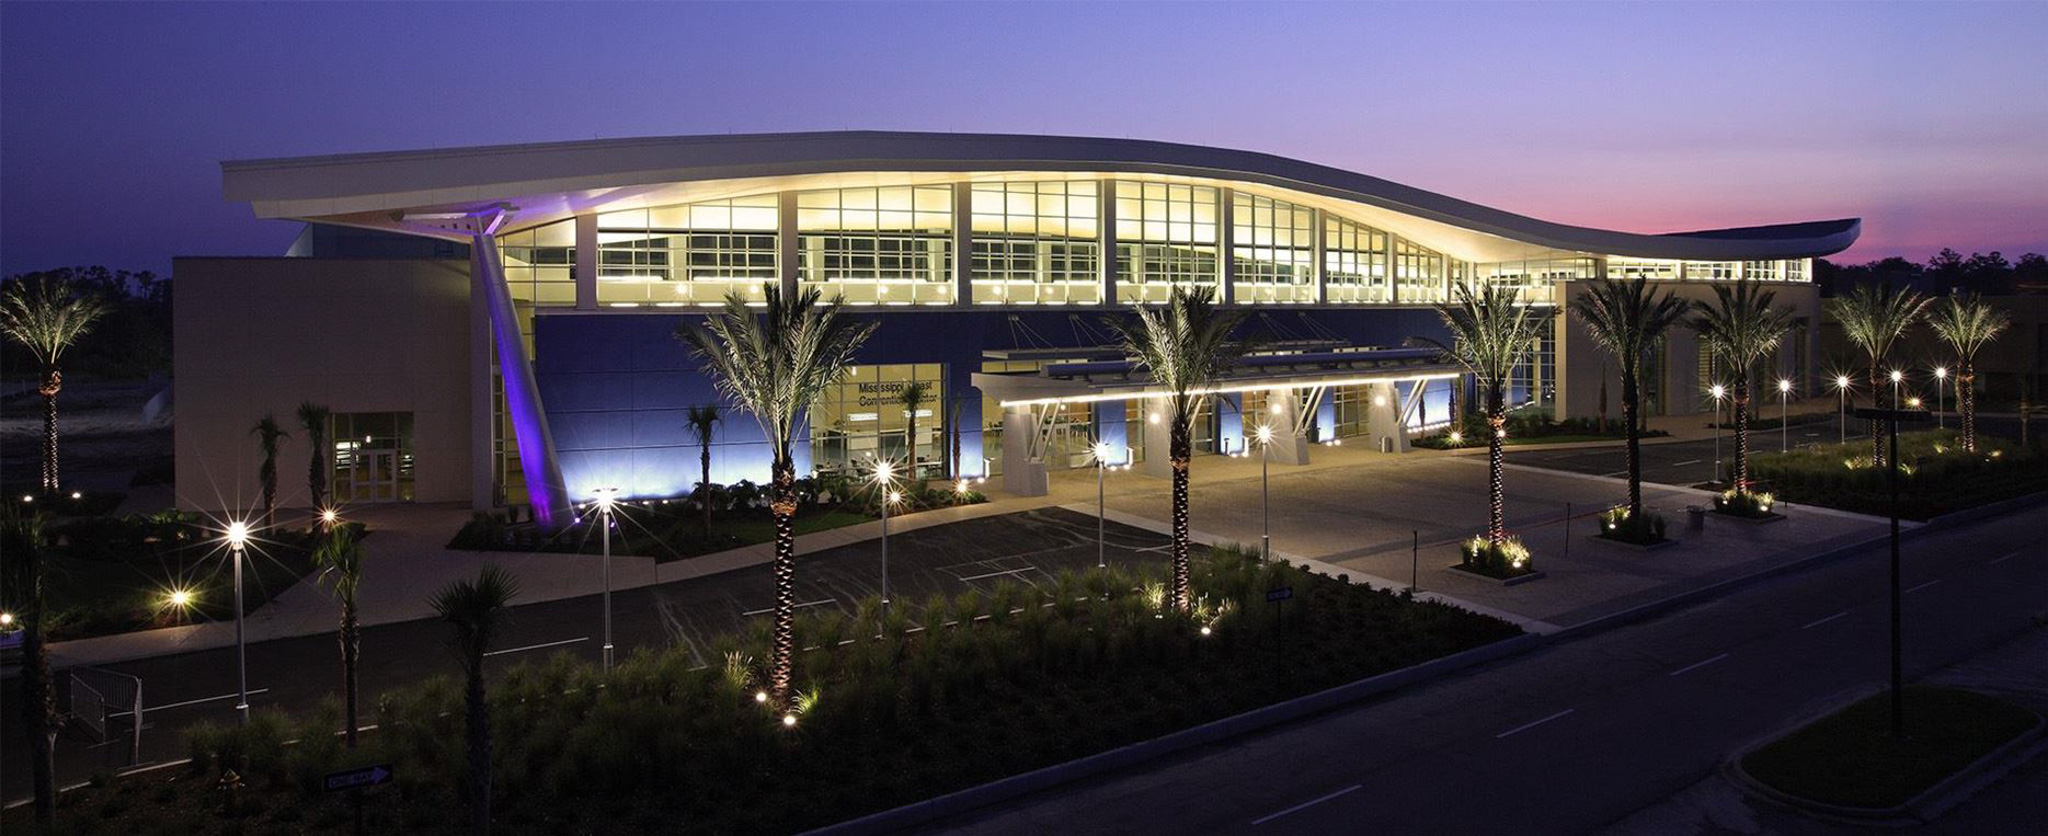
544	486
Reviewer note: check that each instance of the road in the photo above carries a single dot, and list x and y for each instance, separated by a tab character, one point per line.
1580	733
1692	462
1030	548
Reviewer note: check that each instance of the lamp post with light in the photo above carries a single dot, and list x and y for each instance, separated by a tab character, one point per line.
1265	436
1940	377
1101	453
606	499
884	477
1719	392
1842	410
238	540
1784	415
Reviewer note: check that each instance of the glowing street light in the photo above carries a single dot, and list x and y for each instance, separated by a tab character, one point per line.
884	477
328	517
238	540
1101	452
1784	425
1719	392
1940	378
1842	410
1897	377
607	498
1265	436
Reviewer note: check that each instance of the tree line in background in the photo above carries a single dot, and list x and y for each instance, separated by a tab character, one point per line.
1948	271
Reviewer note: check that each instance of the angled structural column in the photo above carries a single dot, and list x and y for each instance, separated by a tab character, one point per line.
550	498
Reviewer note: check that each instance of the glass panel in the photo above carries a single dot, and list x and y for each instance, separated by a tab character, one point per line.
1035	243
687	255
1273	248
878	246
540	264
1166	238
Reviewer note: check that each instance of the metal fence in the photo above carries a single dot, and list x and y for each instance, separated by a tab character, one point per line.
108	703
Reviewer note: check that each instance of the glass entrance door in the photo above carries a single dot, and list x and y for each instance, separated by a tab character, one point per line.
374	476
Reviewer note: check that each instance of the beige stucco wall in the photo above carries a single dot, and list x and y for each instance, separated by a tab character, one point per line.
1581	361
257	335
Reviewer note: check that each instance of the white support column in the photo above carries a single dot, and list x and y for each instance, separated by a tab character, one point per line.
1023	465
963	244
1158	440
547	493
1283	414
786	255
1226	263
1321	253
1105	236
1383	418
586	261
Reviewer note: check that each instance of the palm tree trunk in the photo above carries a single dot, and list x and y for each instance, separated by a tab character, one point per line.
479	724
704	487
953	430
1496	490
782	502
351	655
316	473
1181	453
910	442
53	382
1742	432
1966	396
1631	394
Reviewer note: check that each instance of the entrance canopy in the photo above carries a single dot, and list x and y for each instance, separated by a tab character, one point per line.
1106	380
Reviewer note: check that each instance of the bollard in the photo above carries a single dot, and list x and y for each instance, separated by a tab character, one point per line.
1695	518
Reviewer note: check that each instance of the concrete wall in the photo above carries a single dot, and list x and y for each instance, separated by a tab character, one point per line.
1580	360
257	335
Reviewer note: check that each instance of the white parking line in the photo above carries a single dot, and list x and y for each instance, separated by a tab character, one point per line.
1696	665
995	574
1813	624
1687	462
2003	559
765	610
1300	807
1614	474
538	646
1921	587
1527	726
148	709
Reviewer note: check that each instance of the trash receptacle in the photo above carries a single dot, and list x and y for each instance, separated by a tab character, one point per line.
1696	517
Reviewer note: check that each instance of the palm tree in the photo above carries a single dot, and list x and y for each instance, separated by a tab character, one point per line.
1967	323
339	556
21	550
1490	334
1627	319
268	433
46	316
1184	345
703	423
1875	317
913	398
313	419
1740	327
473	610
774	364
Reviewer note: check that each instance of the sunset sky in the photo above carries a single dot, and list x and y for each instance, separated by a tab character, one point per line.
1928	121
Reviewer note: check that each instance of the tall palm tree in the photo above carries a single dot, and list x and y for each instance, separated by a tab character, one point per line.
268	433
46	316
473	609
1740	327
703	422
1967	323
1875	316
339	556
21	551
913	398
1627	319
1490	334
774	363
1185	345
313	419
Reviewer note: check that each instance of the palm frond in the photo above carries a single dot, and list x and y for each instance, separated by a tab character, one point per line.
475	609
1627	318
1967	323
1875	316
46	316
339	558
776	362
1184	345
1742	324
1490	331
703	420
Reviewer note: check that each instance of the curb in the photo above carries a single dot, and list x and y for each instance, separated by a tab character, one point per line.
1004	789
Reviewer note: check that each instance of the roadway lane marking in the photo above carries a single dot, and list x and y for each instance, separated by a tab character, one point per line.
1687	462
1527	726
1811	625
538	646
766	610
147	709
1921	587
1696	665
1300	807
995	574
1614	474
2003	559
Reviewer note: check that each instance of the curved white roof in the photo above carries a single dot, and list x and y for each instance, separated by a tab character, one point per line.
549	181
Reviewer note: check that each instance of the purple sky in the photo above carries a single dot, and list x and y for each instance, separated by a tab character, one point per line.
1928	121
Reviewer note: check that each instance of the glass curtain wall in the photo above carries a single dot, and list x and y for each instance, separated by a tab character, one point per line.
1419	272
1166	238
540	265
877	246
1036	243
1537	279
1627	269
687	255
1354	262
1272	243
863	418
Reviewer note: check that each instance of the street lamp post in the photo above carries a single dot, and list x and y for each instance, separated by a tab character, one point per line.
1842	392
1101	453
1897	377
1784	415
1892	417
606	498
885	484
1265	436
1718	392
238	540
1940	378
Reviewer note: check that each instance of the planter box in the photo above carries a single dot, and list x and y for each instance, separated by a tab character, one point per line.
1518	579
1665	543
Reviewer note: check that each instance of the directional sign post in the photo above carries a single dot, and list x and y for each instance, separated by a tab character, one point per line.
1892	417
368	776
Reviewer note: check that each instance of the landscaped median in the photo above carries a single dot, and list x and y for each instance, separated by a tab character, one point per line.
890	708
1938	476
1847	765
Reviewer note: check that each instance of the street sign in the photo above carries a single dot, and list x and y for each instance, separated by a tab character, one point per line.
368	776
1904	415
1281	594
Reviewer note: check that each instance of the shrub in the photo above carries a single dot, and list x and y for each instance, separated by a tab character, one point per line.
1617	524
1505	559
1741	503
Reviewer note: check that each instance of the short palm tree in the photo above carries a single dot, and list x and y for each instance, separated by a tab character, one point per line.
473	610
1740	327
1184	345
1627	319
268	433
21	552
775	363
1967	323
1491	333
339	557
46	316
703	422
1875	316
913	398
313	419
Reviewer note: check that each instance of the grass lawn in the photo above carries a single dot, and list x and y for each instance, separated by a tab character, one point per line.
1849	758
932	697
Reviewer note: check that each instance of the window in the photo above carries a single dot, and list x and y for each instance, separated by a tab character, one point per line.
1354	262
1036	243
687	255
1272	244
540	264
878	246
1166	238
1639	268
1710	271
373	456
1419	272
1536	279
862	418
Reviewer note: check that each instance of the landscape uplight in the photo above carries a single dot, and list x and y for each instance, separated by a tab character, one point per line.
788	721
761	697
6	619
28	497
77	494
